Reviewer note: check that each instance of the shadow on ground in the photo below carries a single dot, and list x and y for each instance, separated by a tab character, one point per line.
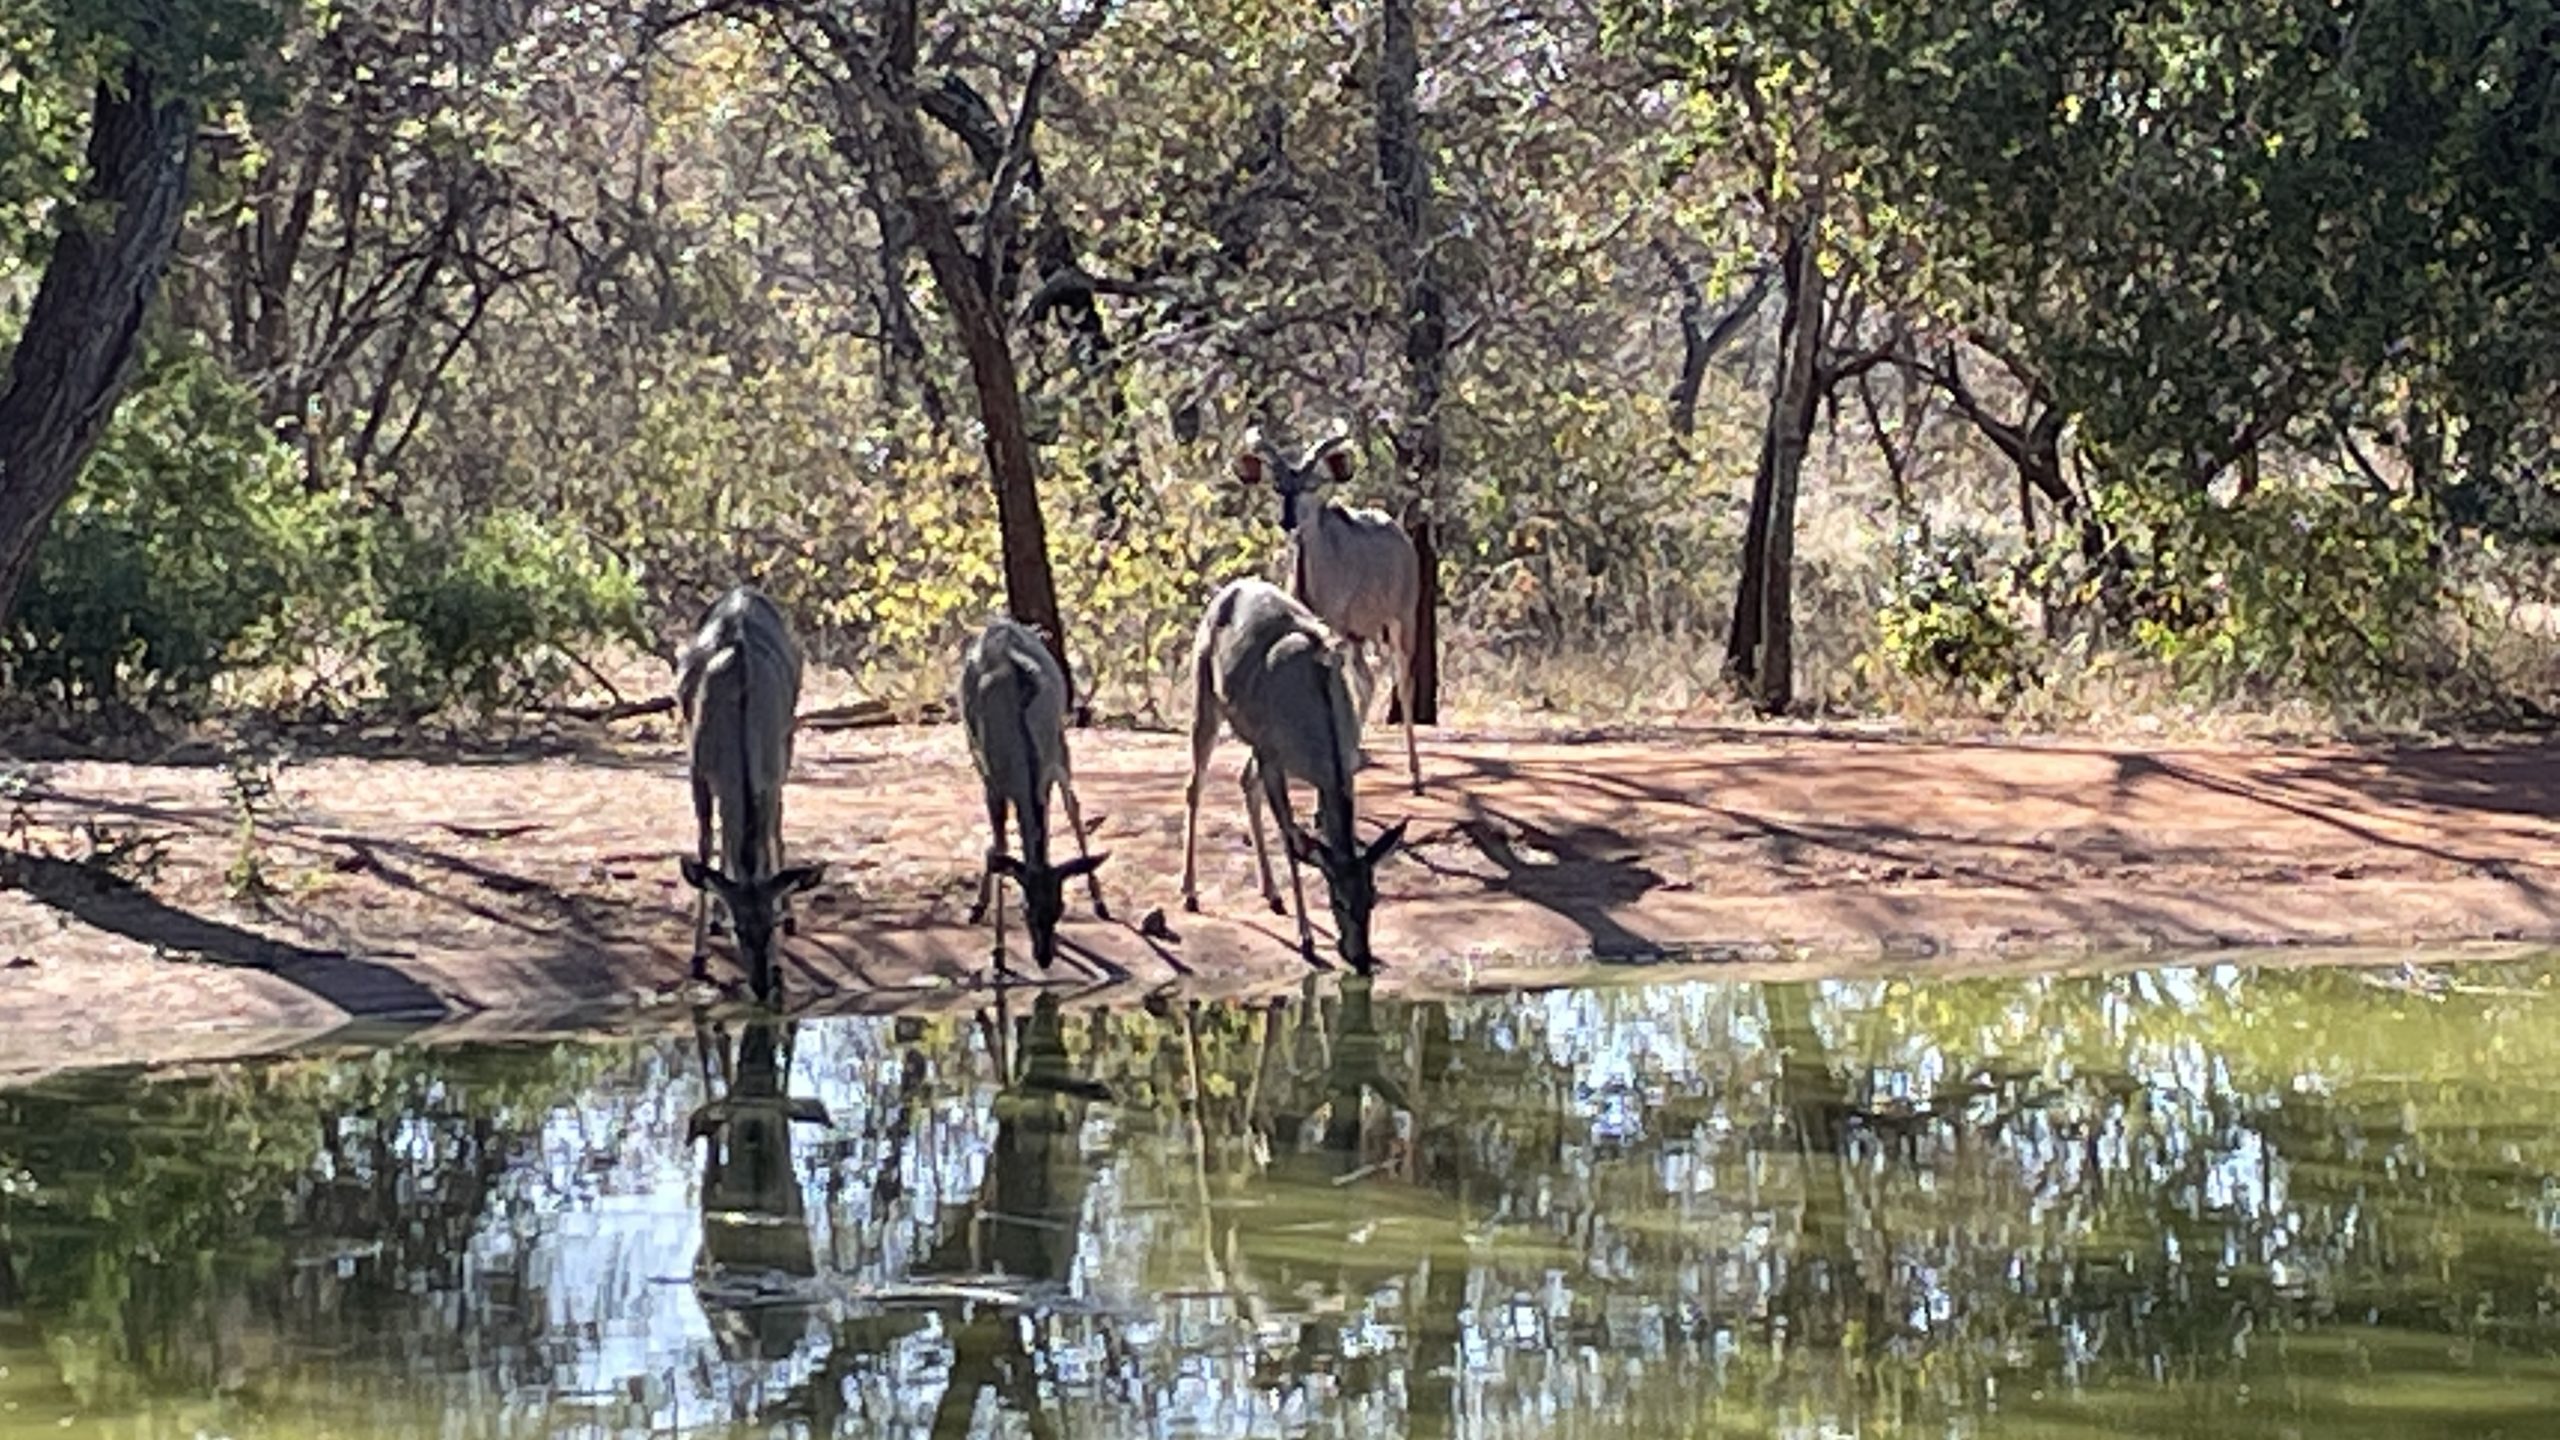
359	987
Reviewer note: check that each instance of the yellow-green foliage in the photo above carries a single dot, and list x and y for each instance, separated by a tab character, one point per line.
2306	582
1132	591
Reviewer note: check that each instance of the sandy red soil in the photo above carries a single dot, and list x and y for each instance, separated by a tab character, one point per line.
477	892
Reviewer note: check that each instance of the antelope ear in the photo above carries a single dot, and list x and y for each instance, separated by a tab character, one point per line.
1082	865
1006	865
1389	843
1337	462
696	874
795	879
1304	846
1249	467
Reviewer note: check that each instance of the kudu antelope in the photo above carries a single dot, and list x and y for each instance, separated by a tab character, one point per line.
1013	702
1355	568
738	686
1267	666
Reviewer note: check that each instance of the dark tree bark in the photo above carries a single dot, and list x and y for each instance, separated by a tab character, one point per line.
75	356
1760	649
2033	446
1407	185
903	357
882	83
1065	292
1700	339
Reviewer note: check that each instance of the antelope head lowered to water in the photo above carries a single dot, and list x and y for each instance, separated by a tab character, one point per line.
1266	666
738	686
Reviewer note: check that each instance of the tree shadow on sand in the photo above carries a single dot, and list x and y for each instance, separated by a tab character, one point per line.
1581	872
358	987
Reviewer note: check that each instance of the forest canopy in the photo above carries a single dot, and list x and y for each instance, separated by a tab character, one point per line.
370	354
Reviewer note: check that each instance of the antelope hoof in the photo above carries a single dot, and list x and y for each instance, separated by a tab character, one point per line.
1191	903
1101	911
978	913
1278	906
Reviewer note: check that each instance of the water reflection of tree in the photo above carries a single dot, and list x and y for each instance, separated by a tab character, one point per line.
1023	1230
1728	1209
171	1235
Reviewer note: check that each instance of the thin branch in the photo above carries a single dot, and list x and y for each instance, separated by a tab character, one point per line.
2372	473
1731	322
995	226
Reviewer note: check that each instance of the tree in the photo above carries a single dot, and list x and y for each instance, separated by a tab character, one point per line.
1760	648
2314	221
112	241
1405	177
879	108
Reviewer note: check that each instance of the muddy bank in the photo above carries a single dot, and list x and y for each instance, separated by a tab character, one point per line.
471	892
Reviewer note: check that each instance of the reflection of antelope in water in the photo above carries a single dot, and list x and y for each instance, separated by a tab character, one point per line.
755	1225
1300	1133
1027	1221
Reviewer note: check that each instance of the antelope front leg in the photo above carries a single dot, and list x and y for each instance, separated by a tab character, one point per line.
786	908
995	847
995	889
1278	786
1204	735
1400	654
1365	679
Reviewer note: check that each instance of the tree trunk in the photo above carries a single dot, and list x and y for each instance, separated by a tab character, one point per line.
1760	653
1426	630
1407	185
76	353
1031	592
1742	636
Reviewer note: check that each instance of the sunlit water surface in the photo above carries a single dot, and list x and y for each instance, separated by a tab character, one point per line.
2164	1203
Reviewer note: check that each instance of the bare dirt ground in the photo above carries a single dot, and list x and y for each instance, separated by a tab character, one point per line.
475	892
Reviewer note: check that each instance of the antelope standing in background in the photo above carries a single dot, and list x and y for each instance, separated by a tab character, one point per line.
738	685
1355	568
1013	701
1267	666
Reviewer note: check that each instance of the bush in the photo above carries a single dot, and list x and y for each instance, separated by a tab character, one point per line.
180	555
1952	613
2327	586
492	612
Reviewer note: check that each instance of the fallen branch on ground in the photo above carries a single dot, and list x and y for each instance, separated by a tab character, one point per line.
860	715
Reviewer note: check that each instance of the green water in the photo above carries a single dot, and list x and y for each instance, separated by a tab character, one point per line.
2163	1203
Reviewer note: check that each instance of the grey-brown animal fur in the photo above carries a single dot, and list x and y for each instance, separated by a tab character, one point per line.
1355	568
1013	703
1268	667
738	686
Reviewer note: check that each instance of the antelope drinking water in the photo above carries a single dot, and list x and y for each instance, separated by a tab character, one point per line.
738	685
